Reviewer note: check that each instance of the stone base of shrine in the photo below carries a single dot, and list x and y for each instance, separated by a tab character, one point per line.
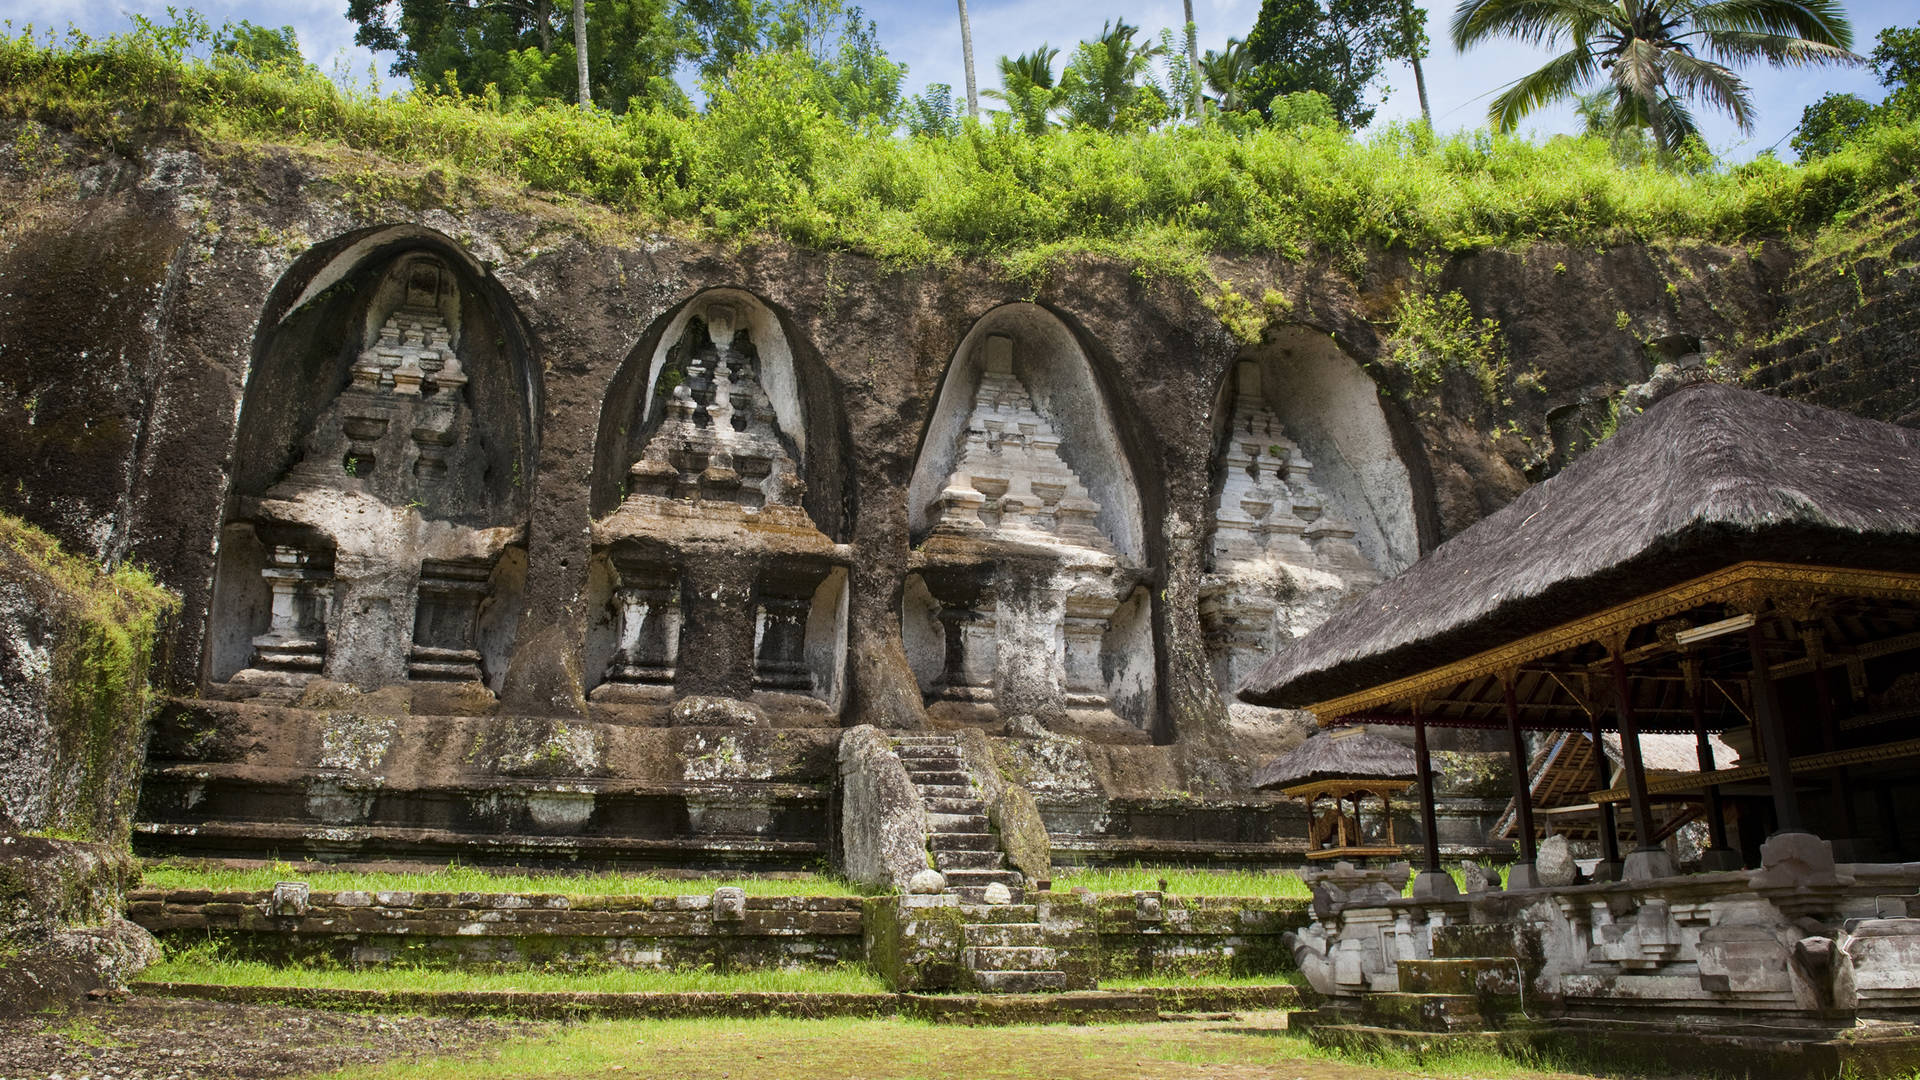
1802	967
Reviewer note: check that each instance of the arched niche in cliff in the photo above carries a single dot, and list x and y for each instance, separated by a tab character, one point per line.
383	460
1029	596
1311	501
718	493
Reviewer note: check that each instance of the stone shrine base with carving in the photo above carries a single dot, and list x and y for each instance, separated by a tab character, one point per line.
1803	967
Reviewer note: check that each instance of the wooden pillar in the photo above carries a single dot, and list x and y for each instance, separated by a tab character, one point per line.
1522	874
1432	881
1630	752
1423	765
1718	855
1773	736
1609	835
1840	792
1649	859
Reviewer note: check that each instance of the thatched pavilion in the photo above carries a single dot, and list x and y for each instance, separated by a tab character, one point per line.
1346	766
1727	562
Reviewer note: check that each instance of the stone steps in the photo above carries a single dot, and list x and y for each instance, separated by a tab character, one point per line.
1010	958
937	777
1422	1012
1005	948
982	878
957	823
1020	982
1472	941
1006	934
931	793
950	862
1481	976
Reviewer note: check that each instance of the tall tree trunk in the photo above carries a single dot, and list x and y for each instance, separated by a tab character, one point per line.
580	50
543	24
1193	61
966	48
1413	54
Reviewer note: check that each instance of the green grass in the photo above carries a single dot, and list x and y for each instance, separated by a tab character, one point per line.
899	1049
1183	881
200	965
765	160
183	874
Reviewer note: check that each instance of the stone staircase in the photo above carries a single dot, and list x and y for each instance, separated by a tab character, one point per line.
1470	992
1005	944
1853	316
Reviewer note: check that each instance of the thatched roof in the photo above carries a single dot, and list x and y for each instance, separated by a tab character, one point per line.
1708	477
1344	755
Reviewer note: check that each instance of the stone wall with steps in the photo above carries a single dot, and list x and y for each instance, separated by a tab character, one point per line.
1006	945
917	943
726	932
1852	320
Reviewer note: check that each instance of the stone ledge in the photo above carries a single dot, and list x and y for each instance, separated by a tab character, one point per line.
1100	1006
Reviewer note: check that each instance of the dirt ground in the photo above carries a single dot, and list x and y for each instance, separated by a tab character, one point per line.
144	1038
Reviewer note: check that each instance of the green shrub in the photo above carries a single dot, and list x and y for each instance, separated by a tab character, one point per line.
767	158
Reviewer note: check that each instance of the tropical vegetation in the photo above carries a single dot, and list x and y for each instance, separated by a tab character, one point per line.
1658	57
793	142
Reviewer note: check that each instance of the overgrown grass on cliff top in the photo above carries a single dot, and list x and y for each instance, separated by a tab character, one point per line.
126	597
179	875
203	966
763	160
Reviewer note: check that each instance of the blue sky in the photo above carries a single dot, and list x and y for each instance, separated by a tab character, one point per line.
925	35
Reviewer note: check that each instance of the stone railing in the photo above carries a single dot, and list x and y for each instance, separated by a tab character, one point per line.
1801	943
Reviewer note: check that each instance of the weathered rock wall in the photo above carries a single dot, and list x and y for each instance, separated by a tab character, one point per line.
74	650
124	435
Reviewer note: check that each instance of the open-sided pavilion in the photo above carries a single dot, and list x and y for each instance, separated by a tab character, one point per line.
1729	562
1730	567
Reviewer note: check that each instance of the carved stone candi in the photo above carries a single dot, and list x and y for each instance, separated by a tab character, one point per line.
1279	555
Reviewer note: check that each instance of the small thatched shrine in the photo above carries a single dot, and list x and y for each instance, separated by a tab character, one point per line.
1344	766
1731	568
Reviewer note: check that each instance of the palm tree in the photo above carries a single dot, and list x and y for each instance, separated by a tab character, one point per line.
1224	72
1028	88
580	50
1193	60
966	49
1413	28
1658	54
1101	87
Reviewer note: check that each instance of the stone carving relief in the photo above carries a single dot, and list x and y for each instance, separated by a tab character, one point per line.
374	573
714	494
1017	572
1280	557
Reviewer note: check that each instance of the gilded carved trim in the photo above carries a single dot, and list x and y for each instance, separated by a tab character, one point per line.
1746	586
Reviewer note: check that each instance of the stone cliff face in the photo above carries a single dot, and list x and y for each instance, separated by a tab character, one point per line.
529	488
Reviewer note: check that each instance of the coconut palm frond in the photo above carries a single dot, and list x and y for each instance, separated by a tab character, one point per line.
1736	46
1551	82
1537	22
1821	21
1694	78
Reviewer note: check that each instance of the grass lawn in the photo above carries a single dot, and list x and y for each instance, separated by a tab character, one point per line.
214	877
1182	881
203	966
893	1049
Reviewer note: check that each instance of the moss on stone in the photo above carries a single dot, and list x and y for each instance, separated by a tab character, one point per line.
103	624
